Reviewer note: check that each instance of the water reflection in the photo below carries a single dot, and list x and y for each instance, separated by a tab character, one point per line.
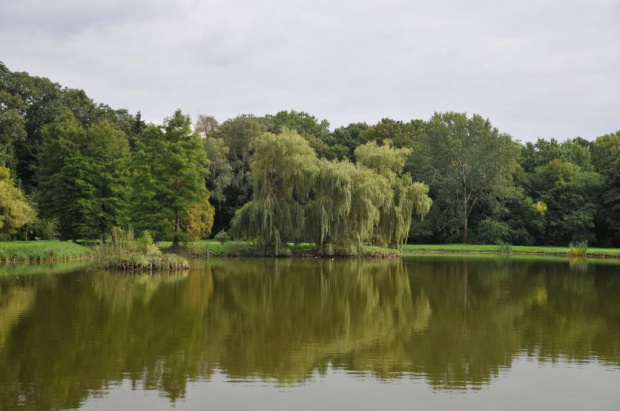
455	323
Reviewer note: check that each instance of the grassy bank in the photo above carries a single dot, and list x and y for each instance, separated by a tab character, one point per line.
213	248
411	249
42	251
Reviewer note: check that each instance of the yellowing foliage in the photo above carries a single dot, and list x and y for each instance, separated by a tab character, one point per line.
200	219
14	209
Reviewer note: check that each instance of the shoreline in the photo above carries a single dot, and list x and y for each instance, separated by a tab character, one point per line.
53	251
544	251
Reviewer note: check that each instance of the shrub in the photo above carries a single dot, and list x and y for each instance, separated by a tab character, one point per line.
504	248
222	237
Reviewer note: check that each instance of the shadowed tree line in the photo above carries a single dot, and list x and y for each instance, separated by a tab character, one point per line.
85	167
454	323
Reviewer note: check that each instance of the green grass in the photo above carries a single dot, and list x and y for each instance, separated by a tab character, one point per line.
213	248
515	249
53	250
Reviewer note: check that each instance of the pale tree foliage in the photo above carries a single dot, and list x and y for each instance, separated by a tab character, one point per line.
220	171
340	206
14	210
205	125
284	167
407	197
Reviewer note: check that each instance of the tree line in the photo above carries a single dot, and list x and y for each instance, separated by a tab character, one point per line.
78	168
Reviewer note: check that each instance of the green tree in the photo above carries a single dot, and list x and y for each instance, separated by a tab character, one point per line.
570	195
220	176
238	135
471	165
29	103
299	121
399	134
83	177
543	151
12	132
348	137
605	150
169	172
610	204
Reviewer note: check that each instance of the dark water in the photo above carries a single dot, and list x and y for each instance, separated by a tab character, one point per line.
427	333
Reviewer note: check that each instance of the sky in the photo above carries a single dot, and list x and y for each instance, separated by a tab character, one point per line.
535	68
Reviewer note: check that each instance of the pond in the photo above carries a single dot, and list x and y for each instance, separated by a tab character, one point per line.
422	333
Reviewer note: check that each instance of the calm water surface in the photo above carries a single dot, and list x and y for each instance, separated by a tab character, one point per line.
423	333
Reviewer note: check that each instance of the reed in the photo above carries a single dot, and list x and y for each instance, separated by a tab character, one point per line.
578	249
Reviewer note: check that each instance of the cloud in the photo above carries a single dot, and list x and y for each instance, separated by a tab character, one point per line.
535	68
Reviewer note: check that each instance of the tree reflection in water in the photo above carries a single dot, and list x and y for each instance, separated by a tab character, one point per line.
456	323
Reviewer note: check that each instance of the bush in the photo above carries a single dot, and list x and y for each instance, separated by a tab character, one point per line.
504	248
146	245
492	232
222	237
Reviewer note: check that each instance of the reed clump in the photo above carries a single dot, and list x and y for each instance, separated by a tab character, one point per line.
578	249
120	250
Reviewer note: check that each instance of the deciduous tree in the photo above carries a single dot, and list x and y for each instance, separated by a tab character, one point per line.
471	164
14	209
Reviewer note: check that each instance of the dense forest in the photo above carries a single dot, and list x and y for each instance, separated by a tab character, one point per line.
72	168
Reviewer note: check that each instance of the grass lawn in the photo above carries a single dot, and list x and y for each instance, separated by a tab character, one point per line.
214	248
211	248
52	250
515	249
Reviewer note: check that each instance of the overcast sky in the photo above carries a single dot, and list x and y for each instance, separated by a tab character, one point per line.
535	68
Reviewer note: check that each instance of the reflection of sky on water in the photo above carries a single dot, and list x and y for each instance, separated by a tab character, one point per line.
527	385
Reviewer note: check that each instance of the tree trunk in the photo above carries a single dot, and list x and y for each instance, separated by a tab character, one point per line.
176	246
465	217
465	229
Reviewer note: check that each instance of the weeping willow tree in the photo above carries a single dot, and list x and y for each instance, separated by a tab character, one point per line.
327	215
407	196
341	206
284	168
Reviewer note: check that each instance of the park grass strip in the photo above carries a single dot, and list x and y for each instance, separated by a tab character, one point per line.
410	249
42	251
